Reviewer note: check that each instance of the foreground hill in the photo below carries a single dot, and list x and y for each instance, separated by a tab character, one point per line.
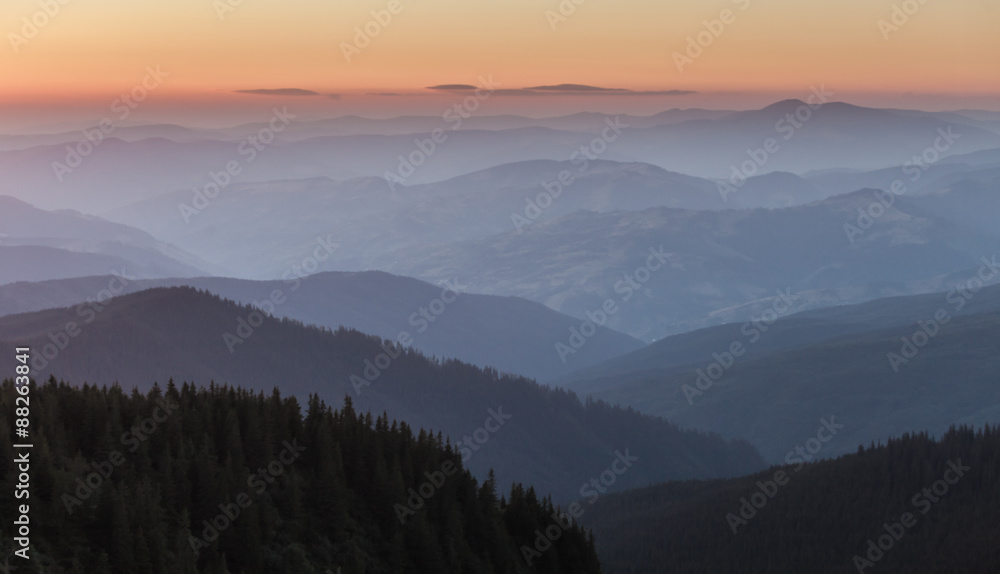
326	495
547	438
913	506
510	334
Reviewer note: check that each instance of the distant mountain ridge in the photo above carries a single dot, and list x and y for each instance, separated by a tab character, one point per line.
65	243
796	330
906	364
369	219
837	135
715	261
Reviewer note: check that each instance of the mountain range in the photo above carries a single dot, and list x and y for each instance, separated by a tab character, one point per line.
882	368
67	243
507	333
834	136
525	432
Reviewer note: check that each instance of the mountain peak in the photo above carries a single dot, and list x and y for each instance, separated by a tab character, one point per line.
785	105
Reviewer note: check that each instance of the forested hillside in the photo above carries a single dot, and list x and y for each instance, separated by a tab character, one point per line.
506	333
911	506
185	480
552	440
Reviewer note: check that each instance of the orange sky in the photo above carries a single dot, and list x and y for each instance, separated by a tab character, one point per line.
945	54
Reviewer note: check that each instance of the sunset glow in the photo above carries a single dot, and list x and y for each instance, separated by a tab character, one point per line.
943	51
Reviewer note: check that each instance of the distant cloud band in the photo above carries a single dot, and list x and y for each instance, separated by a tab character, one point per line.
566	89
285	92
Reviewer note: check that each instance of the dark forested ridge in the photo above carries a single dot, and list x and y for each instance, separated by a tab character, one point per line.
911	506
507	333
186	480
552	440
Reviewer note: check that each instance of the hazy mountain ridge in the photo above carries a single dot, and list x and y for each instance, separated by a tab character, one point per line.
878	383
356	125
799	329
40	263
24	225
717	259
820	359
837	135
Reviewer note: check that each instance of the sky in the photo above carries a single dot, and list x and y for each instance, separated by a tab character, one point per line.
77	58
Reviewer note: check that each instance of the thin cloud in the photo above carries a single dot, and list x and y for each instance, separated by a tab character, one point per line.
393	94
575	88
282	92
565	90
583	89
664	93
452	87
